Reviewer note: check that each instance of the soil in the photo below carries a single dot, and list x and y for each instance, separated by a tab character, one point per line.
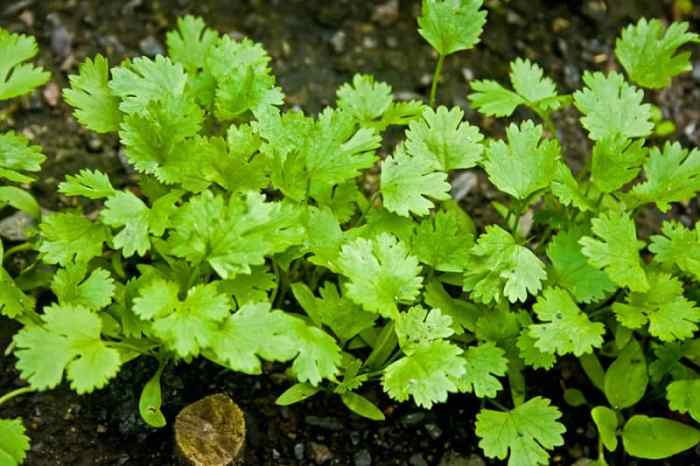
316	46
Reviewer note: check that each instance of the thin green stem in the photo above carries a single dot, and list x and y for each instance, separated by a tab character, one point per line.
14	393
19	248
497	404
436	79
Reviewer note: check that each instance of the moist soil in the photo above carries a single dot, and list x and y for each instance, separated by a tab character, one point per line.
315	47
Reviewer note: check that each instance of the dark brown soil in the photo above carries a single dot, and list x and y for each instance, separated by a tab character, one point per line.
315	45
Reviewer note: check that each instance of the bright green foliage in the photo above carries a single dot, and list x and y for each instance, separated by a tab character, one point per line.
371	103
382	274
484	363
410	184
526	164
669	314
185	326
71	238
191	42
678	246
671	176
531	87
571	271
95	105
528	431
68	339
565	329
655	438
443	242
258	234
684	396
442	136
427	374
451	25
17	77
499	267
14	443
73	287
90	184
16	156
612	108
617	250
615	162
232	236
647	50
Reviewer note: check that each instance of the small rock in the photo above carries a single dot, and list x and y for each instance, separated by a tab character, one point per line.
433	431
320	453
363	458
151	46
210	432
27	17
417	460
338	41
463	184
696	71
299	451
61	39
15	226
51	93
412	419
452	458
386	13
327	423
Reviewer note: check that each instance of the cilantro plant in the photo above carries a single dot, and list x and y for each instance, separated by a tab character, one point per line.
258	233
17	157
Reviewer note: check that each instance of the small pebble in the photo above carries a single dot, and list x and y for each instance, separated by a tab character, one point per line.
320	453
299	451
327	423
338	42
363	458
151	46
411	419
386	13
433	431
417	460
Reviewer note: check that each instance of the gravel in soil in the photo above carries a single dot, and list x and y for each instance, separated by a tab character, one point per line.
315	46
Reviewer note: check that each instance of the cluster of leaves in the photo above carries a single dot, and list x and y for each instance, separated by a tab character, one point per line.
253	236
17	158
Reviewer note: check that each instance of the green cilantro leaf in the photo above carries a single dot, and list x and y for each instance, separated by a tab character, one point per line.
418	326
144	80
233	235
275	336
528	431
611	107
532	355
678	245
154	135
451	25
345	318
409	184
532	88
14	443
684	396
671	176
16	155
16	77
669	314
498	266
443	137
464	314
525	164
252	288
68	339
184	326
617	250
428	374
72	288
571	270
190	43
70	238
568	191
91	184
381	272
484	363
443	241
565	329
365	99
13	301
616	161
647	51
95	105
